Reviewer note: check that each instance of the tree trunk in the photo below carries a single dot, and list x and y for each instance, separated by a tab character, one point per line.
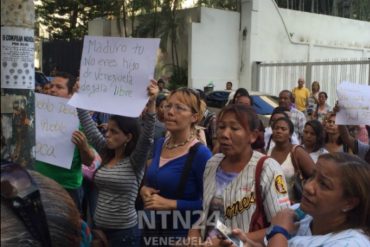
155	18
124	17
17	83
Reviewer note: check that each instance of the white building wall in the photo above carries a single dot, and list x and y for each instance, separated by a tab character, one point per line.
214	49
218	52
284	35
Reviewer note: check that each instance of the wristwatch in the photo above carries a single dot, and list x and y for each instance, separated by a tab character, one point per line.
275	229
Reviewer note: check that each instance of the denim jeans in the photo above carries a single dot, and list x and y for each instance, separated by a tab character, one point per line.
90	196
123	237
76	195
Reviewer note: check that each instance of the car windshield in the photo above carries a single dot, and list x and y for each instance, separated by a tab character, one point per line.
263	104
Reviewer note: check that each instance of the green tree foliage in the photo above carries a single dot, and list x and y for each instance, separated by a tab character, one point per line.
66	19
221	4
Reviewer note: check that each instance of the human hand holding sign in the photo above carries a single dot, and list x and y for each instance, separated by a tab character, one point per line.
80	140
153	91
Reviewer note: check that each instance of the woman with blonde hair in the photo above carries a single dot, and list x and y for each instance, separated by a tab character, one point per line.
314	98
174	179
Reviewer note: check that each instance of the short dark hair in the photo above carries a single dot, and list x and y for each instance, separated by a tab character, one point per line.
160	99
278	110
71	80
241	92
246	115
324	93
291	97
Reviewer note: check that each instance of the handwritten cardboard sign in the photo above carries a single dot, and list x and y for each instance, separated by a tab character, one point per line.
114	74
354	103
55	122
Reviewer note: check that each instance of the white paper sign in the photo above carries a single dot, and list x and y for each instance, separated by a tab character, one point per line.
55	122
354	103
114	74
17	58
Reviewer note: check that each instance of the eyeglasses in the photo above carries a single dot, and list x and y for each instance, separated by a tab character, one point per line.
21	194
176	107
190	91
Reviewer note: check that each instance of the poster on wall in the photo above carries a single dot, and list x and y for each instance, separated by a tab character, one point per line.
17	58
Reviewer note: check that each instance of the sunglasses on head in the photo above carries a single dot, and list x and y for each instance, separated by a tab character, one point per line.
189	92
20	192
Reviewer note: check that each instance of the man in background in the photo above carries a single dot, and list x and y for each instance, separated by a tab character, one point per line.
63	85
301	95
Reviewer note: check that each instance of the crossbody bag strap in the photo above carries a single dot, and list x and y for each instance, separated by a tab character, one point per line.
259	203
186	170
293	157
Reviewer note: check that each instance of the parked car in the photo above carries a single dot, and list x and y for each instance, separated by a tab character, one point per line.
263	103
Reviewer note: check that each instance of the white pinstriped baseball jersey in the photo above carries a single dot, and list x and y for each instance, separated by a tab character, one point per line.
239	199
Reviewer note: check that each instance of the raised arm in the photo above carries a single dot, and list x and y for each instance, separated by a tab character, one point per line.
145	142
95	138
344	133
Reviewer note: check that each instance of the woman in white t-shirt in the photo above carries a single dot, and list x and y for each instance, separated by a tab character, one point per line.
314	139
336	203
292	158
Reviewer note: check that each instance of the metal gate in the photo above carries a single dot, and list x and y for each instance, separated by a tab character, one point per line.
276	76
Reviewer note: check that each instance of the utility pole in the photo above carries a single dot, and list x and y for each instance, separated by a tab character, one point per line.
17	82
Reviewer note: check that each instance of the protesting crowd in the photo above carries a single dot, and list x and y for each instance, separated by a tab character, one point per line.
182	175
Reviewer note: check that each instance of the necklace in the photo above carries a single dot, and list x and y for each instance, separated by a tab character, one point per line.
168	146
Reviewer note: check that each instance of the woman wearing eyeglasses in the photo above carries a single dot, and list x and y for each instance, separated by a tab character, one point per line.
162	190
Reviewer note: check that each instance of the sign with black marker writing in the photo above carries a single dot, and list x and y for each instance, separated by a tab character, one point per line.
114	74
55	122
354	103
17	58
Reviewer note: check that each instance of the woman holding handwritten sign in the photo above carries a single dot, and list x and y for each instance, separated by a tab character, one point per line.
124	154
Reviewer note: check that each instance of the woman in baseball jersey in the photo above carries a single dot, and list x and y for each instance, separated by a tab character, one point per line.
229	178
335	206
